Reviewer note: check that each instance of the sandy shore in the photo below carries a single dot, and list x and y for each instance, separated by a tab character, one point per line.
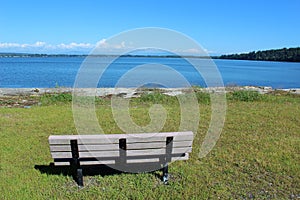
131	92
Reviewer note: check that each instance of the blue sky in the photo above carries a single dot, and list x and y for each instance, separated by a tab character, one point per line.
219	26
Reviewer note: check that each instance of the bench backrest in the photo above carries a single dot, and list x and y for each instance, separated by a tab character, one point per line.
115	148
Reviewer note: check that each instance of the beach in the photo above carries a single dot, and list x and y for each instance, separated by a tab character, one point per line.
25	97
133	92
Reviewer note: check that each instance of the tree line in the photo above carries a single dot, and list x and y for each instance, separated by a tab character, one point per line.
284	54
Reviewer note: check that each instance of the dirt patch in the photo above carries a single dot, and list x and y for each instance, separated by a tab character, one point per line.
18	102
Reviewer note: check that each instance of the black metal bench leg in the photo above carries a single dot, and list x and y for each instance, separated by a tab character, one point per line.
79	177
76	163
165	177
169	147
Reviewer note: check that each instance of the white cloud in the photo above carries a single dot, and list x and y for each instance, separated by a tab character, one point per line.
73	45
192	51
12	45
103	44
102	47
9	45
43	47
40	44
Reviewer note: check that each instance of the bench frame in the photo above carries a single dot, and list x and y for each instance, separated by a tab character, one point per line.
164	159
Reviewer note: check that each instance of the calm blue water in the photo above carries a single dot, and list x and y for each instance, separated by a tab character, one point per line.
61	71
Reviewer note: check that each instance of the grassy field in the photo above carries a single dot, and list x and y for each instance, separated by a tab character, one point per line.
257	155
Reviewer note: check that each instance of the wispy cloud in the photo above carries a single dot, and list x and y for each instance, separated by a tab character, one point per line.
14	45
193	51
103	44
75	45
43	47
101	47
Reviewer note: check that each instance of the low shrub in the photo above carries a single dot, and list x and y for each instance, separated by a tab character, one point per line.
48	99
203	97
245	95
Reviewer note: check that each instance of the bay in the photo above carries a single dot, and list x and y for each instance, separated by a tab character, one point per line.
49	72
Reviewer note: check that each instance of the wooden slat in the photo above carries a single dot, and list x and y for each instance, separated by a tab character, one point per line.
116	153
104	140
186	157
157	145
83	140
93	147
86	154
102	162
158	138
114	138
61	163
157	151
118	136
111	147
145	160
129	161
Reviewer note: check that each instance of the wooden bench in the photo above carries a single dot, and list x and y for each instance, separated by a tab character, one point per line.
125	152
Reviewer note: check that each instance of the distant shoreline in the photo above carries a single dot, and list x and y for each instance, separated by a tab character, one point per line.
29	55
277	55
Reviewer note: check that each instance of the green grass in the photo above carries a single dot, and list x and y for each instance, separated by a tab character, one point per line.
247	95
48	99
257	155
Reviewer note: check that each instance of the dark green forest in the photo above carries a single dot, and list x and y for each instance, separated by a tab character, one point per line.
290	54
